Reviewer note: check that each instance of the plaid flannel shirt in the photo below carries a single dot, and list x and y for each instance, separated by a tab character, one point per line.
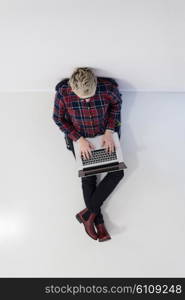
76	117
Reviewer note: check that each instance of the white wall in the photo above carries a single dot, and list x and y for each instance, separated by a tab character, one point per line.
140	43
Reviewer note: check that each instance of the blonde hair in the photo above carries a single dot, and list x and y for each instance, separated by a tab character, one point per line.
83	82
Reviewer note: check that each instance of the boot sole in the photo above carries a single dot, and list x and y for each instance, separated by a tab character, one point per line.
105	240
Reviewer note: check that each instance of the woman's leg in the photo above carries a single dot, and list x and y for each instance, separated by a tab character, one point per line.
104	189
88	188
94	196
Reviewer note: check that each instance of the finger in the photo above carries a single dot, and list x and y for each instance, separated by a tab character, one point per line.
84	155
112	148
87	154
107	148
90	154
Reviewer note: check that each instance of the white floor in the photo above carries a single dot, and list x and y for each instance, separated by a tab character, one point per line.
41	193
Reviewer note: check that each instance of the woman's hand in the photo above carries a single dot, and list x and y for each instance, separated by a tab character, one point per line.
85	147
108	142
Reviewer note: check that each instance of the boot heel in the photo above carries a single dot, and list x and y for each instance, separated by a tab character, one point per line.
78	218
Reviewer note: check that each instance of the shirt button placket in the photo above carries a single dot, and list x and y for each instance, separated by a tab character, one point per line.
90	114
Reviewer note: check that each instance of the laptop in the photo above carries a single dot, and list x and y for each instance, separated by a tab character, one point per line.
100	161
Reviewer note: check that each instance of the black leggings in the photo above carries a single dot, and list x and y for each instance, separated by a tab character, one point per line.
94	195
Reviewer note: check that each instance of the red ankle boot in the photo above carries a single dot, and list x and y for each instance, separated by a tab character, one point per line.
88	224
102	233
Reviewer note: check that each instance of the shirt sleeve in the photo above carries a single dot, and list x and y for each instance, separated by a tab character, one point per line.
115	110
59	112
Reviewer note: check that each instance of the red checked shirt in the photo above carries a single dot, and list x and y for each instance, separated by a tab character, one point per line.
78	117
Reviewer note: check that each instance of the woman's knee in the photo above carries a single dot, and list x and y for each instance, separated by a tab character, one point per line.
89	179
120	174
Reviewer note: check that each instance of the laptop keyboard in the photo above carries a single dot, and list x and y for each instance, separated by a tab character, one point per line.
99	156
